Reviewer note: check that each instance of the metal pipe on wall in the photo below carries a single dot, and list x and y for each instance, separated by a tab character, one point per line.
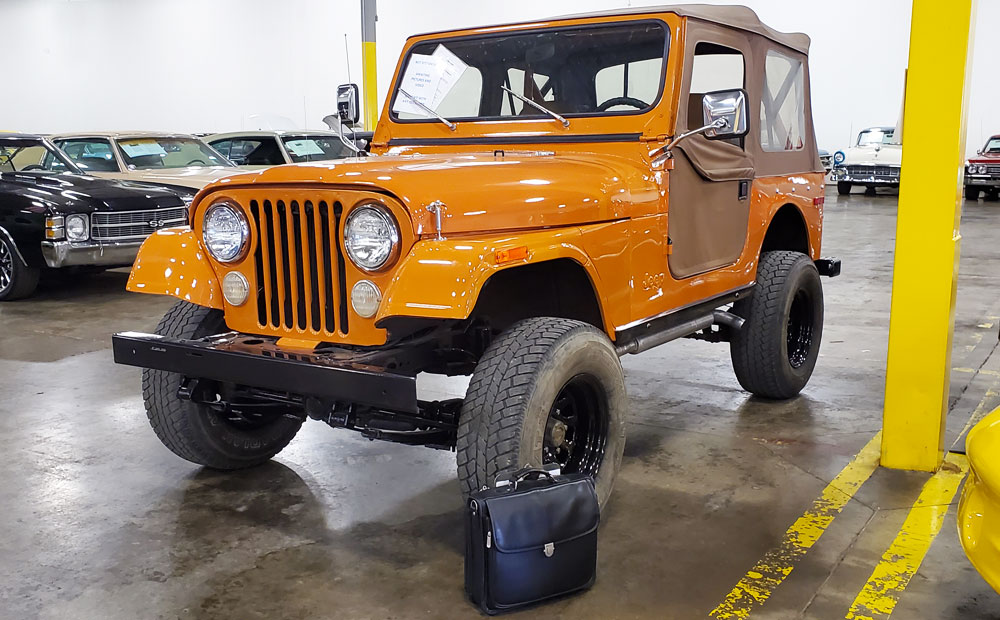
369	82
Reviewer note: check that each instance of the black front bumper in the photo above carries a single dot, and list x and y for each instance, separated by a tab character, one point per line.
255	362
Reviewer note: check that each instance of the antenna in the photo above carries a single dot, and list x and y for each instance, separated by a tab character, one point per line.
347	52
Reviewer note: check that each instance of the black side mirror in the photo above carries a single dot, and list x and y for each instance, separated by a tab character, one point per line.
349	103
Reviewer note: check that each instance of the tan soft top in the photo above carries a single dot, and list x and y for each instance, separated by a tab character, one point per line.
740	17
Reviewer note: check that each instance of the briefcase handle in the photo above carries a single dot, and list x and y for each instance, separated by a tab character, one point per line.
523	475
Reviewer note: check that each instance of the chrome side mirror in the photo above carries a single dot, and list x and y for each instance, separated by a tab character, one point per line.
349	103
725	112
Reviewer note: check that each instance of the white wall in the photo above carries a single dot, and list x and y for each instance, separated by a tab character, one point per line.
209	65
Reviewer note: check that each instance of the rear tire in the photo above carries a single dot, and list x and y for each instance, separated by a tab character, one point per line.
193	431
17	280
548	390
972	193
775	352
844	188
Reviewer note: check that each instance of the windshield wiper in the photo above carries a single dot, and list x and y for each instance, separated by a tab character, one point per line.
538	106
452	126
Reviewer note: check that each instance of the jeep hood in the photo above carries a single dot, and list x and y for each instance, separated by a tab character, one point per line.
484	192
884	155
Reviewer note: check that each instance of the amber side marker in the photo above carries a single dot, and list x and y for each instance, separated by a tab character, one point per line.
513	254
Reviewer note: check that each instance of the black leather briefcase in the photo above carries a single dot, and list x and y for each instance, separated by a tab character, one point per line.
531	540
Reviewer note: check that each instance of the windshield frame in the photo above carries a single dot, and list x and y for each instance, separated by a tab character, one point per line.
71	166
124	157
443	40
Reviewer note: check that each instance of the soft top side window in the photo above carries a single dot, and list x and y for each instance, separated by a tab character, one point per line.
782	105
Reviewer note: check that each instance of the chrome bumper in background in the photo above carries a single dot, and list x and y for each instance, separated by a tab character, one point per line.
841	175
982	181
84	253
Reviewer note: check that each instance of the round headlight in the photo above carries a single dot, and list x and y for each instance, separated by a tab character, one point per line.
77	227
370	237
981	169
235	288
839	157
365	298
225	232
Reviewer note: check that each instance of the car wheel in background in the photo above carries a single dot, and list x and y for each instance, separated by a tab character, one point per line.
971	193
843	188
17	280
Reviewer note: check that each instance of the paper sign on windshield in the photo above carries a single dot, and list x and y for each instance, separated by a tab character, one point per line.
429	79
141	149
302	148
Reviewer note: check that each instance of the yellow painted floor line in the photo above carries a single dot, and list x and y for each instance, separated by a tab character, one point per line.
760	582
903	557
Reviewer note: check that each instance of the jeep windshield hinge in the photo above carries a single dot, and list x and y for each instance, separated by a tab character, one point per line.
436	207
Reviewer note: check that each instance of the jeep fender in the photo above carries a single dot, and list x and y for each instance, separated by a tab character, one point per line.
172	262
442	279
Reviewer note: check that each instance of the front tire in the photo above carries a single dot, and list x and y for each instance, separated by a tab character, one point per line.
195	432
548	390
972	193
775	352
844	188
17	280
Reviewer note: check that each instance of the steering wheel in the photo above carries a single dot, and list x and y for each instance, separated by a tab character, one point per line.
32	167
194	162
632	101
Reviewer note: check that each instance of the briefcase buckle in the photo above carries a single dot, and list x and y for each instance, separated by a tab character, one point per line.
549	549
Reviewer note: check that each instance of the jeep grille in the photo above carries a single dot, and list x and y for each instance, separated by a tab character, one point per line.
299	267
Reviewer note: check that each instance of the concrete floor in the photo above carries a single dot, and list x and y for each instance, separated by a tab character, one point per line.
98	520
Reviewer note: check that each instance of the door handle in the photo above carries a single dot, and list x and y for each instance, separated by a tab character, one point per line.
743	191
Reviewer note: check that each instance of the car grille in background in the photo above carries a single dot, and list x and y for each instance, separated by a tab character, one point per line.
993	169
134	225
877	171
299	266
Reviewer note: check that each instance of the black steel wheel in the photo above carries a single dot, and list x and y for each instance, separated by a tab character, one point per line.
548	390
17	280
775	352
801	319
576	431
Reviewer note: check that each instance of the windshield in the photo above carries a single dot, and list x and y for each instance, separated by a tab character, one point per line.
592	70
91	154
870	137
29	155
157	153
993	146
315	148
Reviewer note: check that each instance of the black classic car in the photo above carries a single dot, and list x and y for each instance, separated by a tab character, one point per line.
53	216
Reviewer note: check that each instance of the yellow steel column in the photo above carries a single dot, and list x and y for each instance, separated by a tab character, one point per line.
927	239
368	19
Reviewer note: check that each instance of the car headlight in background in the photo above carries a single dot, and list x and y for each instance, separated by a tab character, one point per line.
839	157
365	298
371	237
77	227
225	232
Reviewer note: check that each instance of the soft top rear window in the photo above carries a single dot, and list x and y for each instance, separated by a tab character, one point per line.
571	71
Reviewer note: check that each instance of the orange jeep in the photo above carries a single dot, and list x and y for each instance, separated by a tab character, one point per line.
541	199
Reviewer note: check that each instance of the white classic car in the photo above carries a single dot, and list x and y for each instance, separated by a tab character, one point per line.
874	161
173	160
